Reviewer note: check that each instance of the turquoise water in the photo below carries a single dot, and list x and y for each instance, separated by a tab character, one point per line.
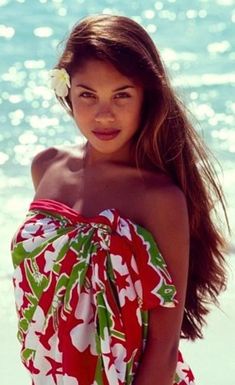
196	40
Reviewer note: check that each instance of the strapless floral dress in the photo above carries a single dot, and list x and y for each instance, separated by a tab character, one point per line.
83	288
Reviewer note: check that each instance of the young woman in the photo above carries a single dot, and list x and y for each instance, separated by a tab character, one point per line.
118	256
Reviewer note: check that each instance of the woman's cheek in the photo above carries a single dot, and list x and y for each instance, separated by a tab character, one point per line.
81	108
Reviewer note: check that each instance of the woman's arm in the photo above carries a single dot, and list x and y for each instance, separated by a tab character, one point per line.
167	220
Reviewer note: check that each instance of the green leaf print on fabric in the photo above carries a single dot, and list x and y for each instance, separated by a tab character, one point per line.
27	353
129	370
155	255
20	253
167	292
61	254
84	250
98	372
37	281
23	324
144	318
33	298
118	334
109	268
105	320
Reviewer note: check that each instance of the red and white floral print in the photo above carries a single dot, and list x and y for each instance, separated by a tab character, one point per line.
83	289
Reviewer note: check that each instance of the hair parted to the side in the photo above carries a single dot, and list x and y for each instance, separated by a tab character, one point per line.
165	141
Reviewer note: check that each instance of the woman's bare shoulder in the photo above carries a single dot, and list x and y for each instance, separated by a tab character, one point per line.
42	160
165	205
55	152
59	157
159	184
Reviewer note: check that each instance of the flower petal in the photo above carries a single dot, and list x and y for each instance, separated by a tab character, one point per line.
60	81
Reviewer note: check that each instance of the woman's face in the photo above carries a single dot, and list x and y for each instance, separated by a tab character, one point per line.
106	106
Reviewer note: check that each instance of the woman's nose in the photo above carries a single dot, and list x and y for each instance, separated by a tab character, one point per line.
104	114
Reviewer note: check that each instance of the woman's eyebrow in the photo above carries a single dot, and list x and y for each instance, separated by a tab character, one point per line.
117	89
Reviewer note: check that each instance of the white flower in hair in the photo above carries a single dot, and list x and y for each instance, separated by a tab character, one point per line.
60	81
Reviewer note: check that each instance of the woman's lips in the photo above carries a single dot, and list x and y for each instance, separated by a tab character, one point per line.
106	135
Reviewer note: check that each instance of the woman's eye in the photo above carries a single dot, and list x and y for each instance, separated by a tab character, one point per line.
87	95
122	95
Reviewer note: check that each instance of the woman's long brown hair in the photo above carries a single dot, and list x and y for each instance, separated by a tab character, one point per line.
165	141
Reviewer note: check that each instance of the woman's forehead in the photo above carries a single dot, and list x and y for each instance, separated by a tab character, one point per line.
101	72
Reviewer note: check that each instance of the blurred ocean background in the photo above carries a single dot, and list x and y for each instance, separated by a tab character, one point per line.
196	40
